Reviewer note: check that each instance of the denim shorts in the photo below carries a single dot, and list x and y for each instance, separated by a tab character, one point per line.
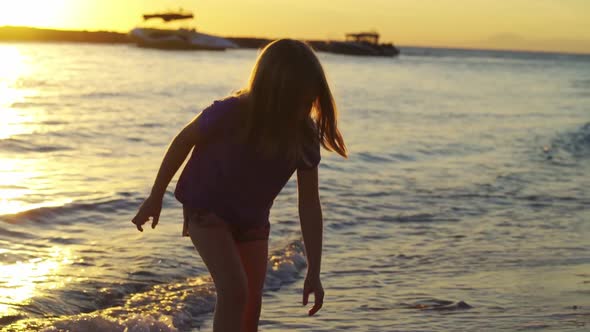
239	234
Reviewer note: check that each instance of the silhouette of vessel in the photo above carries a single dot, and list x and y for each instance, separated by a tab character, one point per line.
167	17
179	39
364	43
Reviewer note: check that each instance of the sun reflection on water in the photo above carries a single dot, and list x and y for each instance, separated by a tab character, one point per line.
15	174
22	280
13	122
13	66
16	178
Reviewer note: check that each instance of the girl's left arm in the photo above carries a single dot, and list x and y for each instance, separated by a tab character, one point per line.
179	148
177	151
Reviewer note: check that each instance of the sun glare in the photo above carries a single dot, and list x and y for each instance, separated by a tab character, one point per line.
12	67
15	178
13	122
38	13
11	63
20	280
11	189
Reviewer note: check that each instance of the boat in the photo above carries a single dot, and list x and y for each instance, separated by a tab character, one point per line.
179	39
364	43
167	17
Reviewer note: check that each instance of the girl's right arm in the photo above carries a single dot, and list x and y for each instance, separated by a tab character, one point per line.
310	216
179	148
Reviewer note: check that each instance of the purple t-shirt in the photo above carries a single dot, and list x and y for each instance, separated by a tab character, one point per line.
225	177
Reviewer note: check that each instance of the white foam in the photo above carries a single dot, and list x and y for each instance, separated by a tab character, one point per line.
97	323
168	307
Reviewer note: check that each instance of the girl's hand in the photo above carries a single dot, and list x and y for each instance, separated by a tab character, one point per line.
151	207
313	285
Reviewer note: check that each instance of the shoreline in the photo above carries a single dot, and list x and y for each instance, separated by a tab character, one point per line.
30	34
27	34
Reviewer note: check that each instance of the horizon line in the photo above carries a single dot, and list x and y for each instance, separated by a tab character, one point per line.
450	47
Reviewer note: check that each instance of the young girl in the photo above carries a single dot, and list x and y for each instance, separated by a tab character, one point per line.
246	147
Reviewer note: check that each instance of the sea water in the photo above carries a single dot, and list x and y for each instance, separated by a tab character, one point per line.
464	204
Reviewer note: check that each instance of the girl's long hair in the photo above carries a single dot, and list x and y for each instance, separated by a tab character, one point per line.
289	103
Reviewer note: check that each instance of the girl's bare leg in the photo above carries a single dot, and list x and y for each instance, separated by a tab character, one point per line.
215	244
254	255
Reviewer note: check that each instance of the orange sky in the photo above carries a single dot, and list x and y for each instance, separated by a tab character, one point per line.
551	25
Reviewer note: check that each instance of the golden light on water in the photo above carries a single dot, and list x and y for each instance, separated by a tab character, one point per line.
13	123
20	281
12	68
11	179
15	178
12	64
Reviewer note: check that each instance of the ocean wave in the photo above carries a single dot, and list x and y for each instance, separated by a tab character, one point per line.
53	122
565	146
104	94
577	143
151	125
34	83
581	83
37	104
384	158
15	234
111	204
450	149
176	306
13	144
437	305
409	218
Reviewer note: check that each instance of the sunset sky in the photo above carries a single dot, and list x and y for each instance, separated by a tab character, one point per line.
551	25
